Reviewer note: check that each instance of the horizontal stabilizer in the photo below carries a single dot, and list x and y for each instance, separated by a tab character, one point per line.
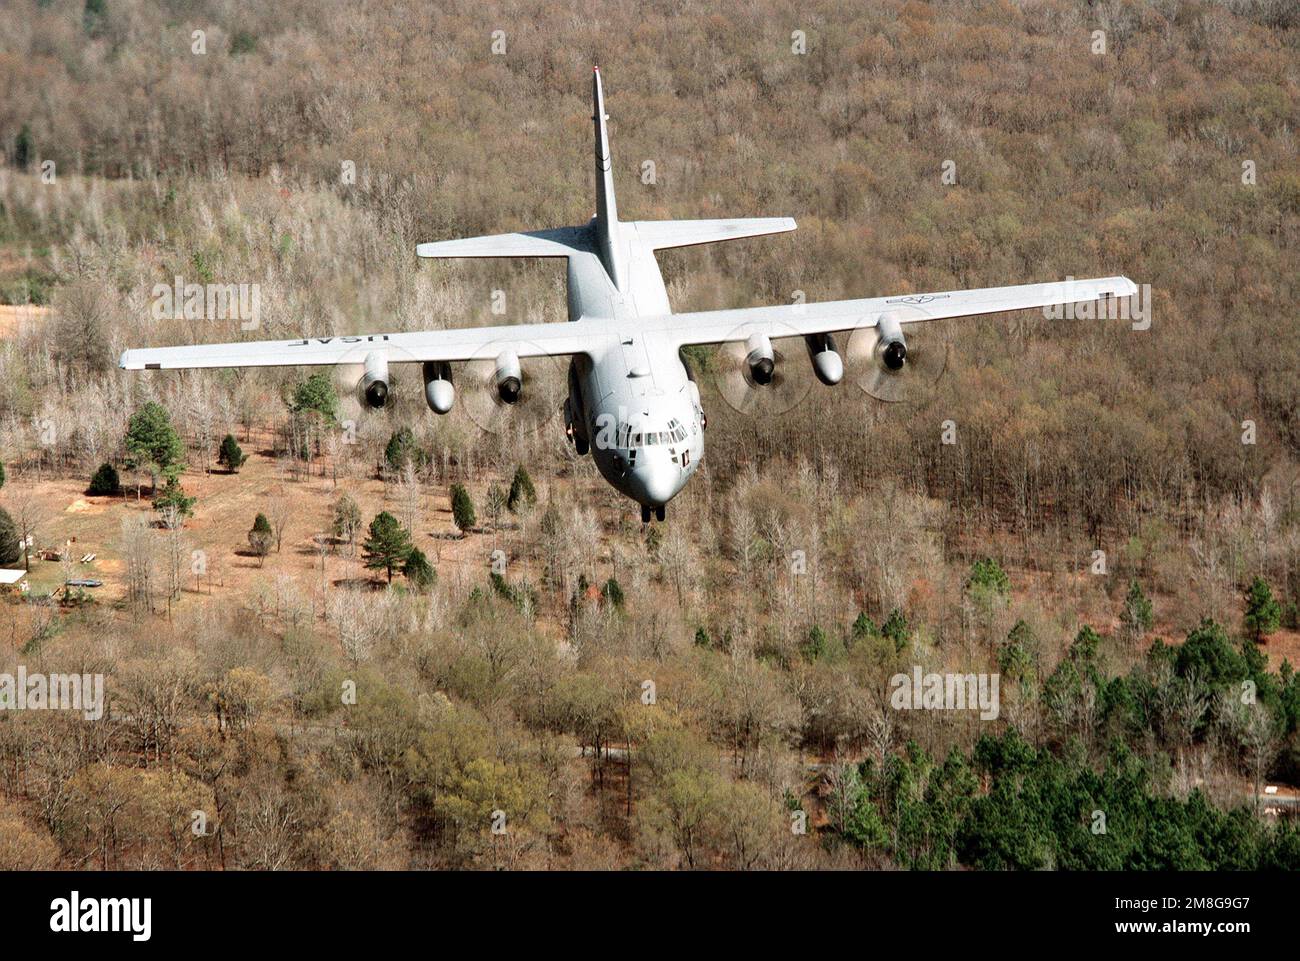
660	234
560	242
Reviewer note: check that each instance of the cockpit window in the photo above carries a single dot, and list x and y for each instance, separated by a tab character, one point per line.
631	440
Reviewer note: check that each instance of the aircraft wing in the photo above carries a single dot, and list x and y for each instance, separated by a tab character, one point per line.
469	343
582	336
788	320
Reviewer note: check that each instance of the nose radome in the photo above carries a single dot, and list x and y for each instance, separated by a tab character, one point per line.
655	484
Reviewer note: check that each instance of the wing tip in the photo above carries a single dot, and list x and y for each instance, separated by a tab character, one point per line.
132	360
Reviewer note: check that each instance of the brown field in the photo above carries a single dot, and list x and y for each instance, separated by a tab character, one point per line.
227	503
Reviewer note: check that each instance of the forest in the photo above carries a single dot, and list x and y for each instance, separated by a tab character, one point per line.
336	638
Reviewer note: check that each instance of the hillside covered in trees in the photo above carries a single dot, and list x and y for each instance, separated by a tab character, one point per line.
349	639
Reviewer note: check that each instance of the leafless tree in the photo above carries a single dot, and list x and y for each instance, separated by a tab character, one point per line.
68	563
279	510
177	554
1254	732
678	563
140	554
29	515
359	619
409	497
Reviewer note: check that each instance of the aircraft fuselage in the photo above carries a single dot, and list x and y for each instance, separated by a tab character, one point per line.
630	397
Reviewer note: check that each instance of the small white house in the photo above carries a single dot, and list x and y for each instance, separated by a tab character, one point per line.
9	578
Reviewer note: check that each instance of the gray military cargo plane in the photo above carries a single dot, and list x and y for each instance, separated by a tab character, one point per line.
632	402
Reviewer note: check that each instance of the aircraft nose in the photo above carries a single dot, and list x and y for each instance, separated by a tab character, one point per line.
655	484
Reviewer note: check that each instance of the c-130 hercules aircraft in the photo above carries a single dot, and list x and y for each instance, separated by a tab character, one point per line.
632	402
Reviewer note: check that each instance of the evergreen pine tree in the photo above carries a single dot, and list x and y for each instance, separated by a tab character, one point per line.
388	545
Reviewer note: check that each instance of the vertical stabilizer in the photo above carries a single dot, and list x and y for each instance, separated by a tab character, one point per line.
606	208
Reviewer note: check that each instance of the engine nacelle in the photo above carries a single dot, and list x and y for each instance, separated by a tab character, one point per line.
439	393
761	358
509	377
891	348
373	386
826	361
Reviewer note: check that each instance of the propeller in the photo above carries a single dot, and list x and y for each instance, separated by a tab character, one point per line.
762	389
389	359
539	381
896	373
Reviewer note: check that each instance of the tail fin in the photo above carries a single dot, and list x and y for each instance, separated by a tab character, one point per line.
611	252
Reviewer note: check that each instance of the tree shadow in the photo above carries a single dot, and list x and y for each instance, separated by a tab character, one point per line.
360	583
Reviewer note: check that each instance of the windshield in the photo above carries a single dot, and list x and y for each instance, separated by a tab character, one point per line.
630	437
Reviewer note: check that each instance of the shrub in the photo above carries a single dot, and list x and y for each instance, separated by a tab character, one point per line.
402	450
1137	615
346	519
613	593
522	494
231	456
173	495
105	482
895	628
987	576
462	508
419	572
261	537
1263	612
10	552
815	646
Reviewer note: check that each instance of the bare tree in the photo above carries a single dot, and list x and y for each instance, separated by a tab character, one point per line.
1183	703
359	621
177	553
321	542
338	446
67	563
201	417
138	551
880	730
677	561
1261	743
28	515
409	497
278	512
744	532
1254	732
